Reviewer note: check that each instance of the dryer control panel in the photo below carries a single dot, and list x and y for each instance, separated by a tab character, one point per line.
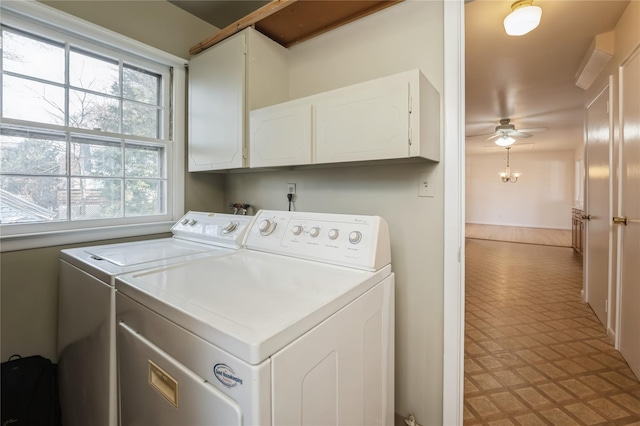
221	229
357	241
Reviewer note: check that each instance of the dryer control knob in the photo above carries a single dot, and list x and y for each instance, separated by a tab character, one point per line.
355	237
297	230
185	221
333	234
267	226
229	227
192	222
314	232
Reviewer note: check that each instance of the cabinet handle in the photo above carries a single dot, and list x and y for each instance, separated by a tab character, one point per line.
586	217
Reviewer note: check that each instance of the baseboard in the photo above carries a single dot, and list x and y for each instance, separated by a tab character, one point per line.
519	225
611	334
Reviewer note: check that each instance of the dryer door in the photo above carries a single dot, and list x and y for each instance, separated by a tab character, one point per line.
156	389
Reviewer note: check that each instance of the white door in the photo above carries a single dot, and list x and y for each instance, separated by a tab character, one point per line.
597	208
629	203
216	106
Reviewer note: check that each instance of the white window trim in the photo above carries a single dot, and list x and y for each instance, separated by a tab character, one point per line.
19	237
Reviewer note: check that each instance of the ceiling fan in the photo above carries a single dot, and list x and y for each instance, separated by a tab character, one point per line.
506	132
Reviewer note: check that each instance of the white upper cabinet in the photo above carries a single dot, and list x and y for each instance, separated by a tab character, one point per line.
281	136
242	72
388	118
368	121
395	117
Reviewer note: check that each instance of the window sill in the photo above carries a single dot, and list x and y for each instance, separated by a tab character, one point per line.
56	238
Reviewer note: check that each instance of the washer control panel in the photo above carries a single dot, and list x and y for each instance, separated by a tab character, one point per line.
350	240
213	228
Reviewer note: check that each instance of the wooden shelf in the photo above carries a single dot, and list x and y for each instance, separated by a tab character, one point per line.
289	22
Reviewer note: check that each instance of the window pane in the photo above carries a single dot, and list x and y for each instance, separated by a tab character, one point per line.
32	153
32	57
95	198
91	157
144	161
144	197
88	111
141	85
29	100
140	120
32	199
66	156
93	73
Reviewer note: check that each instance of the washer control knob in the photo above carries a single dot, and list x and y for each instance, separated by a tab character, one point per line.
229	227
192	222
355	237
314	232
333	234
297	230
267	226
185	221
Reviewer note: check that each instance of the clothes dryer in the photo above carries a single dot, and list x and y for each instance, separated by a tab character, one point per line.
296	329
86	306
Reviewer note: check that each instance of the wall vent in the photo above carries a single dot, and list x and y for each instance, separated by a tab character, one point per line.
598	54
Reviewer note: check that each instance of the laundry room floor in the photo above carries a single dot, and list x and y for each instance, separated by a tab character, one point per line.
535	353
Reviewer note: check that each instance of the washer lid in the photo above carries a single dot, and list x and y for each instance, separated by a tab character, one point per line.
250	304
128	254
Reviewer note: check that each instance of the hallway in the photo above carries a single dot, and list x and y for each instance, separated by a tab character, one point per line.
534	351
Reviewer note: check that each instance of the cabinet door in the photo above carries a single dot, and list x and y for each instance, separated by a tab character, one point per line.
368	121
216	106
280	136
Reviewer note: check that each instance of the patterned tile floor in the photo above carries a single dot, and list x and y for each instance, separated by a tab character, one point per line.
535	353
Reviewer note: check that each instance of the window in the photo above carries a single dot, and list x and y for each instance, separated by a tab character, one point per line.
86	136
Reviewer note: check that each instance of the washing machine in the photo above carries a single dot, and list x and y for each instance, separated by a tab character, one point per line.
86	306
297	329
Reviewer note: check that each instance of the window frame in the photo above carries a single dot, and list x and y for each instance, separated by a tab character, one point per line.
44	21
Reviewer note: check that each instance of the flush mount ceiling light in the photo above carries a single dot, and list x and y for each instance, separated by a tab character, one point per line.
524	17
505	140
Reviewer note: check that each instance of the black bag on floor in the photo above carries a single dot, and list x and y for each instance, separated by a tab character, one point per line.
29	392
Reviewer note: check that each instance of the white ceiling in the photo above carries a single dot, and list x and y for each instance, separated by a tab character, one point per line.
530	79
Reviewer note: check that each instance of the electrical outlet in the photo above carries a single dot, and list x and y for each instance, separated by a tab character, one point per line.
291	188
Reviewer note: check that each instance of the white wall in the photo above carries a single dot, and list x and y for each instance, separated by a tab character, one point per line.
405	36
156	23
542	197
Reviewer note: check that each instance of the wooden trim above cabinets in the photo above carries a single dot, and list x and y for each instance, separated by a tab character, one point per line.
289	22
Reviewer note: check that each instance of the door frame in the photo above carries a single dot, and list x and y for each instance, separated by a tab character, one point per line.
454	205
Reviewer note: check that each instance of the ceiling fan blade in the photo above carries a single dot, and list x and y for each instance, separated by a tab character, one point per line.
533	129
495	135
519	134
480	135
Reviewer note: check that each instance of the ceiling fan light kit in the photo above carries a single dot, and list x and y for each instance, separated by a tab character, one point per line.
524	17
505	140
507	176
